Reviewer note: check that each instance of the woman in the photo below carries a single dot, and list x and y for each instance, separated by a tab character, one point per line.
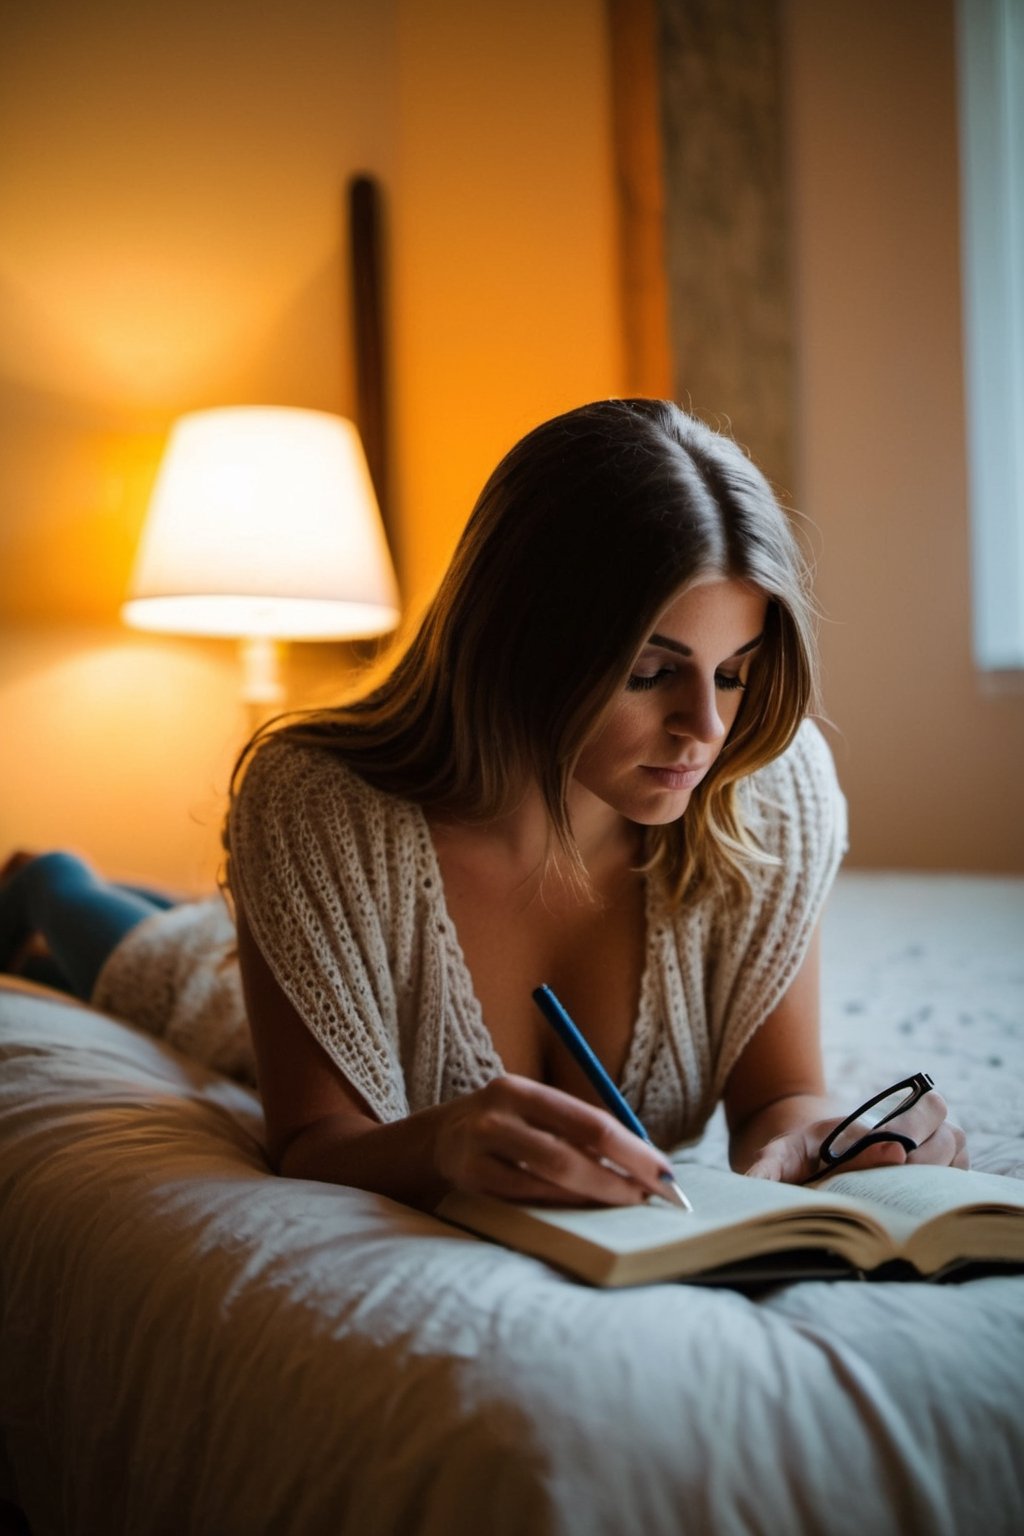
591	767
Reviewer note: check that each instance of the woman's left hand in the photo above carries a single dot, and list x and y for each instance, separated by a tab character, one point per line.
793	1157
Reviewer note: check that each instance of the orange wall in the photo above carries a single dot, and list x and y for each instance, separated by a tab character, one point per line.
932	762
505	304
171	188
171	236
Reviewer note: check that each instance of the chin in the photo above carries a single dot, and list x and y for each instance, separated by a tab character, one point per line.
663	815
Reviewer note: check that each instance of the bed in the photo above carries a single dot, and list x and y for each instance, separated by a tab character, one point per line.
190	1344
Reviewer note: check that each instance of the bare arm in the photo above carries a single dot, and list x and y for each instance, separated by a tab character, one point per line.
779	1113
516	1138
778	1083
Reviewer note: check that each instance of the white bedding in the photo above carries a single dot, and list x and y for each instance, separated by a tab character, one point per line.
191	1345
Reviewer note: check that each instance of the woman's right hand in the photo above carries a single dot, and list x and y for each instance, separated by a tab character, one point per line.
524	1140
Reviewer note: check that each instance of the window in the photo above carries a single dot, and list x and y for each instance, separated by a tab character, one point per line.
991	62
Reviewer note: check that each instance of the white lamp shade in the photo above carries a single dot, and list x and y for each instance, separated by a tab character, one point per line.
264	522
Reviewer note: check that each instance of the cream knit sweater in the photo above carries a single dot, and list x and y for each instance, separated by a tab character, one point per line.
343	893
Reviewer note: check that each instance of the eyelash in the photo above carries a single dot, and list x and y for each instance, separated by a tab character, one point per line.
638	684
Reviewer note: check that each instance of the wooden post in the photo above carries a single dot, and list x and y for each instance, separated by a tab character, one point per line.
639	179
366	252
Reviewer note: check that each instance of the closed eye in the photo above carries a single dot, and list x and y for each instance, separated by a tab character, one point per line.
639	682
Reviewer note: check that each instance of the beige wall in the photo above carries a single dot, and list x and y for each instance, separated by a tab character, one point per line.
932	763
171	187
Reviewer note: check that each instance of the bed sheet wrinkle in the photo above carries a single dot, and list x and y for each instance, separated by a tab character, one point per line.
119	1064
659	1414
902	1465
947	1394
761	1398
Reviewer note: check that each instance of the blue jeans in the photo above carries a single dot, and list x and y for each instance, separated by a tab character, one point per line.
81	916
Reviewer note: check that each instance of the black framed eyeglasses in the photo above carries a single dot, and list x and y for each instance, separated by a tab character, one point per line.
850	1138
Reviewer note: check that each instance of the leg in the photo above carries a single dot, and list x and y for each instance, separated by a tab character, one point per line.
154	897
81	916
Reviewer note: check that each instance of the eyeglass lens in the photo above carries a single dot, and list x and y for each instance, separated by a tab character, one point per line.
870	1118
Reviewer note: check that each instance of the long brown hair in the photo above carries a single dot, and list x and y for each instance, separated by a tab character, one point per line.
581	536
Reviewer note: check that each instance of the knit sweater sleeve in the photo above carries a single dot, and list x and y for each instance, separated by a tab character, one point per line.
798	813
309	867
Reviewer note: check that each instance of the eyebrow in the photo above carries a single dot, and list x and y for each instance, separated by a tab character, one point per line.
684	650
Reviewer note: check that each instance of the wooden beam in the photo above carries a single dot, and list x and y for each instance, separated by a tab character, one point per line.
366	253
636	129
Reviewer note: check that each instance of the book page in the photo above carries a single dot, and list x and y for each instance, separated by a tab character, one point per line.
920	1191
720	1199
948	1216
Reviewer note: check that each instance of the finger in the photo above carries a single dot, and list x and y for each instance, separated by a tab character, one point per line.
567	1169
614	1146
947	1147
922	1120
591	1130
771	1165
880	1155
520	1182
883	1154
788	1159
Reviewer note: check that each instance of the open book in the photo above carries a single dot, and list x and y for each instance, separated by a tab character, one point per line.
909	1221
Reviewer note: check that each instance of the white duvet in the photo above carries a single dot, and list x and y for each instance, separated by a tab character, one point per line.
192	1345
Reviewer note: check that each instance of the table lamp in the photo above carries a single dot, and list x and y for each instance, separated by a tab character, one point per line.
263	527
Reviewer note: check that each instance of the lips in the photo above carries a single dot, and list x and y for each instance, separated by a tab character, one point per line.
678	775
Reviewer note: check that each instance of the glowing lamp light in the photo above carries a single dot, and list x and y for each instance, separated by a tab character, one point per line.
263	527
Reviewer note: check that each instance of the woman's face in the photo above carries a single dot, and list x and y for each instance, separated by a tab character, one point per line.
669	724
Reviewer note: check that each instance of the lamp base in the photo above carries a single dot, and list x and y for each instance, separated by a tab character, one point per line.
261	670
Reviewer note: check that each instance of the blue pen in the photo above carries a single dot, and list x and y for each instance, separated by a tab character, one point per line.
570	1036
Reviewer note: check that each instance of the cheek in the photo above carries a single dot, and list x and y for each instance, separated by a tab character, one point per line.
628	726
728	713
729	709
615	742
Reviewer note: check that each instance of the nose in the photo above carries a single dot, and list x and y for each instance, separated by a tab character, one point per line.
696	715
